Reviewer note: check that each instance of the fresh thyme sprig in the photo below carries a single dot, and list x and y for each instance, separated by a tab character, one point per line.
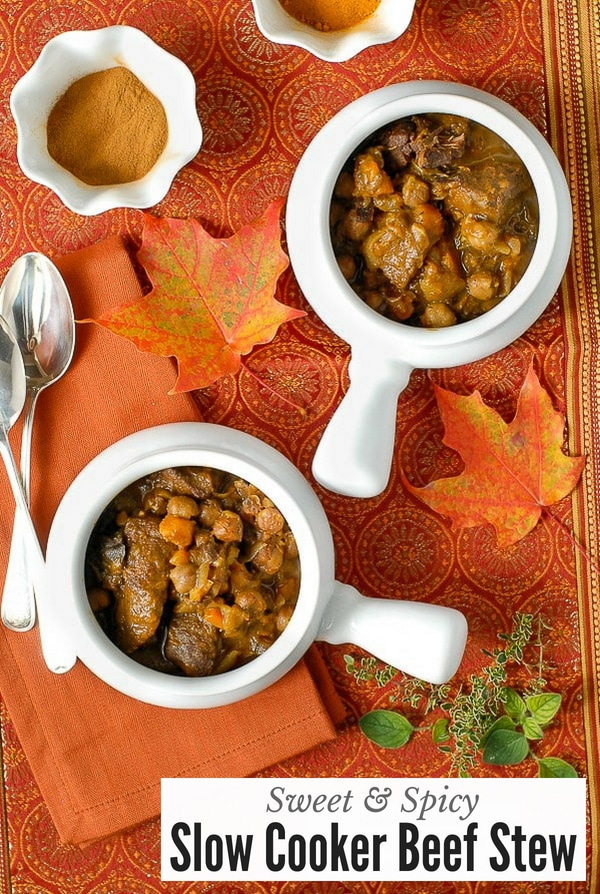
484	715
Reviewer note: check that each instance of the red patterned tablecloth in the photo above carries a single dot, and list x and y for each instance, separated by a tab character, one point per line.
260	105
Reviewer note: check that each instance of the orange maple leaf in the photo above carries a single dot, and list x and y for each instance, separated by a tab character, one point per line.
512	470
212	300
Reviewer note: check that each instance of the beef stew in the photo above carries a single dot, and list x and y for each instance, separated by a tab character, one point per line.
433	220
192	571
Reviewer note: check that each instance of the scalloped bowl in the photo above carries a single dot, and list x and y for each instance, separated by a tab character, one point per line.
74	54
388	22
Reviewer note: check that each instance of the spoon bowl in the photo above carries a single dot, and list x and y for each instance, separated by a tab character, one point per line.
35	303
12	379
36	306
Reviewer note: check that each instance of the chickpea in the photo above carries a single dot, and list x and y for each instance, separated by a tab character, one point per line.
183	577
481	285
480	234
209	512
356	225
155	501
251	601
251	506
401	305
374	299
183	507
347	265
437	315
270	520
228	526
283	617
269	558
203	482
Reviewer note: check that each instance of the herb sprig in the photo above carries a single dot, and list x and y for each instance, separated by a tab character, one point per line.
485	719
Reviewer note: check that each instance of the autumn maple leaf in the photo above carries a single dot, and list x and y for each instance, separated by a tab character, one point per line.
212	300
512	470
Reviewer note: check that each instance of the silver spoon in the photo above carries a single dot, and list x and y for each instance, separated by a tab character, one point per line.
57	649
36	305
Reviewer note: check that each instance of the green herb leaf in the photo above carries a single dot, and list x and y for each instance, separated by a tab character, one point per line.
503	722
505	747
543	707
386	728
439	730
514	705
532	729
555	768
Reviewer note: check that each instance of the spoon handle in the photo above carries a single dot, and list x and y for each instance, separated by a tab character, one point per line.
18	603
59	653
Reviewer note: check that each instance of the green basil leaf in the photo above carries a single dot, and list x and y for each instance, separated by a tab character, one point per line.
505	747
502	722
532	729
543	707
386	728
556	768
439	730
514	705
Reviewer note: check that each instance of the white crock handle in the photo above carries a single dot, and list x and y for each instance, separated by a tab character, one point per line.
422	640
354	455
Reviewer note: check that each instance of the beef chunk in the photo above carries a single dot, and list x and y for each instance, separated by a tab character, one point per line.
109	560
190	482
493	191
399	243
439	146
192	644
142	592
396	143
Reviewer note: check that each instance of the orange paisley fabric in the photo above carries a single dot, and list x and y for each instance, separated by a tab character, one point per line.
260	105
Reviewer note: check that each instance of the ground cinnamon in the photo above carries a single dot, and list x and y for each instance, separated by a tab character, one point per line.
107	128
330	15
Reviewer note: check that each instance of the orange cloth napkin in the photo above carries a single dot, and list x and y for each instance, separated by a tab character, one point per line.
98	756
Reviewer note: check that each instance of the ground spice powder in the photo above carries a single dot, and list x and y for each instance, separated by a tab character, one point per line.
330	15
107	128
